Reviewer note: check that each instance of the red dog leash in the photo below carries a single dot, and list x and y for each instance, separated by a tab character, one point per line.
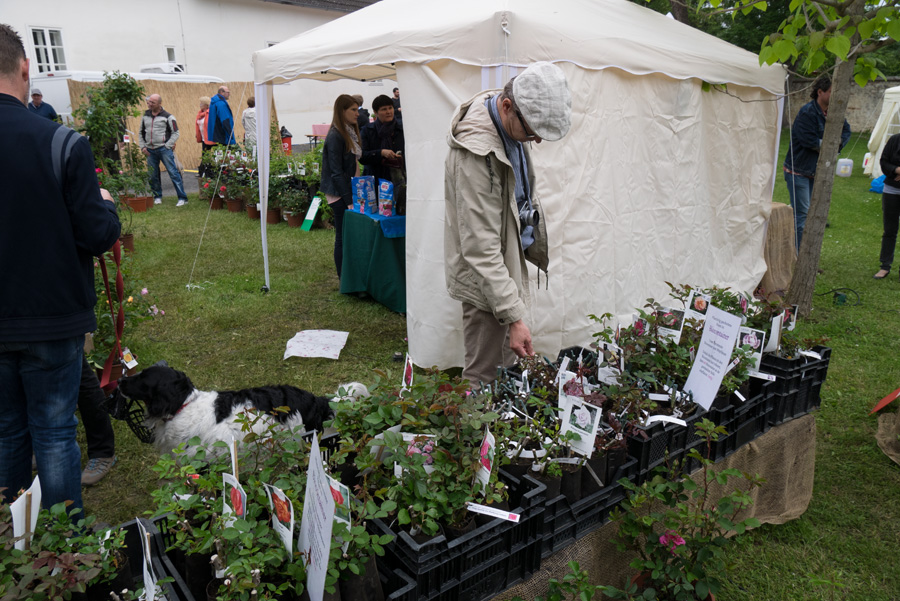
118	320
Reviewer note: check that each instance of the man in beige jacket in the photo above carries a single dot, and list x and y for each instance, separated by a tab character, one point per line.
493	221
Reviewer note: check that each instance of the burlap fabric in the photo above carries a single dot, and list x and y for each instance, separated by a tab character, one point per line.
785	456
888	435
780	252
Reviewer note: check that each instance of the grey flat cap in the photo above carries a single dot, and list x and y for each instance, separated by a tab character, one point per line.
542	95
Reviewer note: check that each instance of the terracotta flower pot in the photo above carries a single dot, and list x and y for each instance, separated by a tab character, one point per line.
252	211
217	203
138	204
294	219
235	205
273	216
127	242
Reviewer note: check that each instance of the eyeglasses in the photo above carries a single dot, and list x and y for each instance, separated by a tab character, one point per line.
529	135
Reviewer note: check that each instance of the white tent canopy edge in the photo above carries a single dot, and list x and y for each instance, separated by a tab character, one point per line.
620	224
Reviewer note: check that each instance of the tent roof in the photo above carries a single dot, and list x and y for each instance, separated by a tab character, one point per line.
594	34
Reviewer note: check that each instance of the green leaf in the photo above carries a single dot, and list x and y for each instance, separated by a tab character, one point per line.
861	79
865	29
701	589
784	50
389	506
761	6
354	568
403	516
816	39
893	30
840	45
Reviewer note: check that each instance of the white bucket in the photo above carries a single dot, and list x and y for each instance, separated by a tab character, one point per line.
844	167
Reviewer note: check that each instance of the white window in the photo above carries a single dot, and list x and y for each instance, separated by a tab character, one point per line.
170	54
48	49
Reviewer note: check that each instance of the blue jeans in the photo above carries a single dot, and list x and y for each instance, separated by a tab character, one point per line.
799	189
38	395
168	158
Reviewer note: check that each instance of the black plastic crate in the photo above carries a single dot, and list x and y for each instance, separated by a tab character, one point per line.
588	357
662	440
158	560
566	521
397	585
479	564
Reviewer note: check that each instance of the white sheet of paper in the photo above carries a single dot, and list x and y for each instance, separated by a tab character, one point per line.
316	524
282	516
17	508
316	343
720	330
583	419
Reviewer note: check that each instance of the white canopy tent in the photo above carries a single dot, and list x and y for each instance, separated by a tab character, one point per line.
658	180
887	125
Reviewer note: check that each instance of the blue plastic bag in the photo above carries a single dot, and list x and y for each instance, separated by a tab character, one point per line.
877	185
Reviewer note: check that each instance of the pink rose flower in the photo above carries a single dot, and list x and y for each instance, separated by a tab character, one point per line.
671	541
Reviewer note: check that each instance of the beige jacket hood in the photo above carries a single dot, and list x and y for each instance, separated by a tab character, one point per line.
484	264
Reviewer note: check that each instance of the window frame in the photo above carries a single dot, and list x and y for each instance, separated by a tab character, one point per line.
48	50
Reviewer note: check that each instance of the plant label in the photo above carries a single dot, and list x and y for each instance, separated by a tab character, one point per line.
314	542
234	499
494	513
774	334
582	419
282	511
128	359
311	214
720	331
696	306
150	579
25	512
486	459
671	322
754	341
407	380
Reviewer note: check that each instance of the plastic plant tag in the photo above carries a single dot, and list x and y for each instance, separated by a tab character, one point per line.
494	513
311	214
128	359
582	419
314	542
282	511
25	512
486	459
653	419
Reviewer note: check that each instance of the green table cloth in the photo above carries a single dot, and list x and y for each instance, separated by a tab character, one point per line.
373	263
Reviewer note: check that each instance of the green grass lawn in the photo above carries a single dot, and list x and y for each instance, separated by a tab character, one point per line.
224	333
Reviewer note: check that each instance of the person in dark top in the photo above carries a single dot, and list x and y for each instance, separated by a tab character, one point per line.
803	154
382	149
339	165
398	112
362	118
39	107
890	204
53	221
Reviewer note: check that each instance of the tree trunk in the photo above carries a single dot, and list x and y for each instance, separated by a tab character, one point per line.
803	281
680	11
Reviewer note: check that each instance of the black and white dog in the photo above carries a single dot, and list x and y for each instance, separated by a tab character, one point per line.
177	411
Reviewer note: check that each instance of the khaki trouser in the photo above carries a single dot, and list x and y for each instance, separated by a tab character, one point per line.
487	345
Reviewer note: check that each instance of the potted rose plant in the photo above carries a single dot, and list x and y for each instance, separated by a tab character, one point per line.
678	528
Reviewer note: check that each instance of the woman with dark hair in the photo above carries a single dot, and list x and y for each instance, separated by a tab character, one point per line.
340	156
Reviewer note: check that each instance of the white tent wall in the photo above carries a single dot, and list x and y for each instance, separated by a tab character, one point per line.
887	125
674	187
657	180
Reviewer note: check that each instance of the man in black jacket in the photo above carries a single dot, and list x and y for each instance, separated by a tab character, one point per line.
382	149
53	221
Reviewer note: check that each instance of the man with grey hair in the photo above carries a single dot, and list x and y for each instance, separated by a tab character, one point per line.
158	135
53	221
493	221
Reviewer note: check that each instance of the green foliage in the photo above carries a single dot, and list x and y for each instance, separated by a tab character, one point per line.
102	119
679	530
62	558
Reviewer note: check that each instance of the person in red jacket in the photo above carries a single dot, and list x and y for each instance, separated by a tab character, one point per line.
202	135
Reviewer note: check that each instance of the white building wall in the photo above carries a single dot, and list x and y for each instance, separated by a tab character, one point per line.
210	37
